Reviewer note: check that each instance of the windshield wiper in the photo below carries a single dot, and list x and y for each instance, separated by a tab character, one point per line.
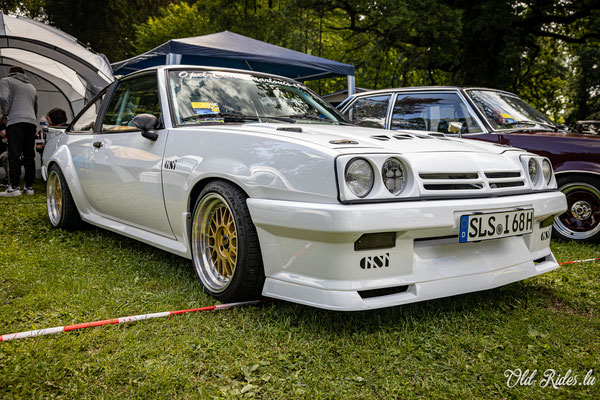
531	123
313	117
235	117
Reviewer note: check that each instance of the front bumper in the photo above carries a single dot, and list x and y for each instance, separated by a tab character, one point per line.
309	256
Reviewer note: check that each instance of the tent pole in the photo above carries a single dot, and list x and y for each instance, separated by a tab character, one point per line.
173	58
351	85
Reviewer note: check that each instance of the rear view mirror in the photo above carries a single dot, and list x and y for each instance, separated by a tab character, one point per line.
455	127
146	123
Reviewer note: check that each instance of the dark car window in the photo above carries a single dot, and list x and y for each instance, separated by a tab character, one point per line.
87	119
431	112
507	111
369	111
132	97
212	97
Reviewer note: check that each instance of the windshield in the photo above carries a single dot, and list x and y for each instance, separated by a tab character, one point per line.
214	97
506	111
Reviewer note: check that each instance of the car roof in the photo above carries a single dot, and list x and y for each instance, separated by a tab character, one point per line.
428	88
208	68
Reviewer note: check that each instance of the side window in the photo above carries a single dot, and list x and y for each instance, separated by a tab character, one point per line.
87	119
431	112
134	96
369	111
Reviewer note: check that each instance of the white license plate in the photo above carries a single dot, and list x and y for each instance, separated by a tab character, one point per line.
476	227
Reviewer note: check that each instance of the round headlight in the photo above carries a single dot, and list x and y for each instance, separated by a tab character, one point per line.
547	170
394	176
359	177
533	171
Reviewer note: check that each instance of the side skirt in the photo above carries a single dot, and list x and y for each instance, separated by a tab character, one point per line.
171	245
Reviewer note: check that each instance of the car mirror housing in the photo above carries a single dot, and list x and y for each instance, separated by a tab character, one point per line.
455	127
146	123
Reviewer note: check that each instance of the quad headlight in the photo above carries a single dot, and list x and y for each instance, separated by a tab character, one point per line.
393	174
547	170
539	171
533	170
374	177
359	177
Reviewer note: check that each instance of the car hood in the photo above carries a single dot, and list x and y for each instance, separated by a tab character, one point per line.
348	139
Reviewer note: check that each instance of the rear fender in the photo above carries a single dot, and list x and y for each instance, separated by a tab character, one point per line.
63	158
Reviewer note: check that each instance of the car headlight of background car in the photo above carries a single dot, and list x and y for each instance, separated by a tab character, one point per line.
538	170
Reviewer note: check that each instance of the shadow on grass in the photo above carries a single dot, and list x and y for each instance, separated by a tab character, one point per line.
499	307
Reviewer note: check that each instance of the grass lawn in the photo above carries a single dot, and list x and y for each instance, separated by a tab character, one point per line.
456	347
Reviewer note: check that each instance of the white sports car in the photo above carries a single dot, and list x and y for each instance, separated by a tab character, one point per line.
272	193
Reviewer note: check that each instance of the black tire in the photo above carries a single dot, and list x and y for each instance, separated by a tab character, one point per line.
581	221
225	247
62	210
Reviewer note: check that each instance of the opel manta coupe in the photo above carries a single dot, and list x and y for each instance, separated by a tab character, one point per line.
270	192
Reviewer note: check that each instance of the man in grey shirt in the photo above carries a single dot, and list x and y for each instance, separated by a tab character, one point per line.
18	100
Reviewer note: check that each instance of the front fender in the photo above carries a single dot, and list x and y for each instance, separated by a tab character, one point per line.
263	166
578	167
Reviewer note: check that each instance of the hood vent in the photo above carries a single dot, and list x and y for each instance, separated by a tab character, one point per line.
286	129
403	136
383	138
343	141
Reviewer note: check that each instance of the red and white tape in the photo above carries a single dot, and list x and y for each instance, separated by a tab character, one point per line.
578	261
69	328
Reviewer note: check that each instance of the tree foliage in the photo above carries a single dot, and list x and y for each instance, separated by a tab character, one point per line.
548	52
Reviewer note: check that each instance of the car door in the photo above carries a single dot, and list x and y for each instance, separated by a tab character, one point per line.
81	136
127	177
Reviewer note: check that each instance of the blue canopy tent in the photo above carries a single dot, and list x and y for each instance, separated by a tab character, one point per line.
230	50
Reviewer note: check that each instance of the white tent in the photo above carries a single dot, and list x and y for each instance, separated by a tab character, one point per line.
65	73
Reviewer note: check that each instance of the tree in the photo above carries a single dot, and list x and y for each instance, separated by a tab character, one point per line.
106	26
177	20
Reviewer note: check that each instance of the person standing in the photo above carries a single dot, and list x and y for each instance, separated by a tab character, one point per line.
18	100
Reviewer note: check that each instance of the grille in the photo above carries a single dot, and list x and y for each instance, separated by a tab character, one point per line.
454	186
451	181
466	175
471	181
509	174
504	179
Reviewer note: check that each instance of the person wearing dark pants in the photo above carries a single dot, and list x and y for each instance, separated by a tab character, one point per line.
21	141
18	100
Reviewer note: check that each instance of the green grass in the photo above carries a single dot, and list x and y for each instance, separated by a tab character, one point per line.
457	347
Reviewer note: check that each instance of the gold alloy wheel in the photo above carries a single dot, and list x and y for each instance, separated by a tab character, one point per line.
54	198
214	242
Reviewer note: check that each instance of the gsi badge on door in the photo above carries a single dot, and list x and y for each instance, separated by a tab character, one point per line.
476	227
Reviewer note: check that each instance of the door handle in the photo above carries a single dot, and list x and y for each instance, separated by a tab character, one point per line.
97	144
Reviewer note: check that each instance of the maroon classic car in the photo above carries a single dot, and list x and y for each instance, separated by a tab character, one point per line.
503	118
